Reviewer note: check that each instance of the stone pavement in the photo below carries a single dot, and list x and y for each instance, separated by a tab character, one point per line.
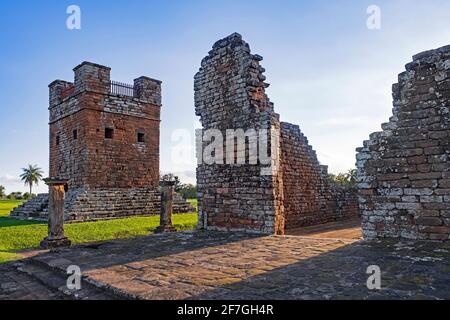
350	229
216	265
18	286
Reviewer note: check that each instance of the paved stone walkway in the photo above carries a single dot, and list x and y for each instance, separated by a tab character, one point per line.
18	286
215	265
339	230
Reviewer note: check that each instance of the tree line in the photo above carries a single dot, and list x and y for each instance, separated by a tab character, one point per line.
31	176
345	179
186	190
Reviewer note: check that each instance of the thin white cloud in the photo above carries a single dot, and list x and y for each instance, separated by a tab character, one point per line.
8	178
13	183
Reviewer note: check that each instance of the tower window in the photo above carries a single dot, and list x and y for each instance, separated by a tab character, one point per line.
57	140
109	132
140	137
75	134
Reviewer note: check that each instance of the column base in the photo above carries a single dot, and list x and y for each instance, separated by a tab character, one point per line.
164	229
55	243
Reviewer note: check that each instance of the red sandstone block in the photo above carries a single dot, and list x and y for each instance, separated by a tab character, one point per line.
429	221
438	237
444	183
433	151
428	213
426	144
428	199
438	134
424	184
435	206
403	183
423	168
425	176
391	176
417	160
435	229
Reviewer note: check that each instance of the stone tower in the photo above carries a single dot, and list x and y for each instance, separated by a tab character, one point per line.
104	138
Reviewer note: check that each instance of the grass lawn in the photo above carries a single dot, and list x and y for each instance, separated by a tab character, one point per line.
193	202
7	205
16	236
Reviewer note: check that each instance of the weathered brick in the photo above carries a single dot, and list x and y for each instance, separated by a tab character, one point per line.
421	135
429	221
435	229
444	183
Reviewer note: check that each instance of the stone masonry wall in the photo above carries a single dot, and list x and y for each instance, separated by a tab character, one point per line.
404	171
310	198
230	94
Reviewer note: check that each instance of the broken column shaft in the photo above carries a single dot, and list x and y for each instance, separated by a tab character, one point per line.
56	237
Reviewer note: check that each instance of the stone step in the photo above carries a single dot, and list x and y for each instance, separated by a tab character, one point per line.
57	267
96	205
57	281
32	207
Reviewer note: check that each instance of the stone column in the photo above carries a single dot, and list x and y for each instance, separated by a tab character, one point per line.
166	207
55	238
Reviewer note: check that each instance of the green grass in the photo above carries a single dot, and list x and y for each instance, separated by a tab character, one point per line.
193	202
7	256
7	205
16	236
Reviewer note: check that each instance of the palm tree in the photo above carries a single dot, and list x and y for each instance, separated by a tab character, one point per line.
31	175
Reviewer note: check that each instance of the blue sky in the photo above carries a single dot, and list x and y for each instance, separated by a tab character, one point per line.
328	72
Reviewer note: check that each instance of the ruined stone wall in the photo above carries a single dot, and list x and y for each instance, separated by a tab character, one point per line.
310	198
404	171
108	176
230	94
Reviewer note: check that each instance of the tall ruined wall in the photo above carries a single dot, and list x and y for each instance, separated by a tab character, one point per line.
230	94
404	171
310	198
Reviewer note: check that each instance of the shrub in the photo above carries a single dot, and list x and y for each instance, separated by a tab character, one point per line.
15	196
344	179
188	191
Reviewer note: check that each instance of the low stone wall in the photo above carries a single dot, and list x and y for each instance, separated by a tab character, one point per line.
404	171
181	205
89	205
36	208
